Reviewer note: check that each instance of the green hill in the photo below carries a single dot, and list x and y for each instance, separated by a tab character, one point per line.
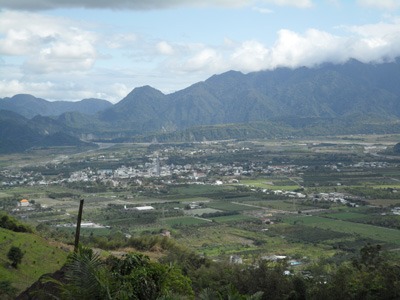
18	134
40	257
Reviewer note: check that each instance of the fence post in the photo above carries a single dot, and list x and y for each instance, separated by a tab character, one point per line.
78	226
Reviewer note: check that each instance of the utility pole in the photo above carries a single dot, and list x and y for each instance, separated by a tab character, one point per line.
78	226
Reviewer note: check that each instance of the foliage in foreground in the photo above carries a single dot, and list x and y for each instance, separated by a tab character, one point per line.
132	277
370	276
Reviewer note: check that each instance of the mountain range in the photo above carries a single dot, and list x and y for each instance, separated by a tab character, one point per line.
330	99
30	106
328	91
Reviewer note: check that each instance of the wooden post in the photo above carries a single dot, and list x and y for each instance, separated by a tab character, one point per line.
78	226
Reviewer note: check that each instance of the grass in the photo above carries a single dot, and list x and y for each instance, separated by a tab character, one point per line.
271	185
385	186
384	202
195	199
185	221
347	216
200	211
229	206
373	232
198	190
231	218
40	258
283	205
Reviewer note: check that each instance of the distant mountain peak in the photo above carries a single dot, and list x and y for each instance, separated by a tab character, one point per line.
146	89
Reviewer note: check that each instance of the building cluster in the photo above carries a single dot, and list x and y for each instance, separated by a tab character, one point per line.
158	165
332	197
290	194
396	211
359	165
11	177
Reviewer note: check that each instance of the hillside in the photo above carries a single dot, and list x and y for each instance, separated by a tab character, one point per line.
41	257
18	134
275	128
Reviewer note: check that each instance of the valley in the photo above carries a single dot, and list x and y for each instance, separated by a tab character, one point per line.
303	198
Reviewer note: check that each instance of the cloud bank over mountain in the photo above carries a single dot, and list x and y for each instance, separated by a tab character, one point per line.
74	53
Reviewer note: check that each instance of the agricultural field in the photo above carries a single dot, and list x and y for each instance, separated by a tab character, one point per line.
201	211
185	221
272	184
232	218
283	205
231	206
386	235
219	198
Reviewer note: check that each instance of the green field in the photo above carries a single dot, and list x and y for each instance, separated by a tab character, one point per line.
200	190
229	206
195	199
185	221
230	218
385	186
384	202
283	205
373	232
347	216
200	211
271	184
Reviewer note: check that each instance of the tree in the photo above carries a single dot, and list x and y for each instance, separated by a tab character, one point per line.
15	255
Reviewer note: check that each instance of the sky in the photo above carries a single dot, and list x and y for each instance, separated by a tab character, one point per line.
75	49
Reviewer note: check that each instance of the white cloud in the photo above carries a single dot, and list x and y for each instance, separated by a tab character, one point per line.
370	43
263	10
62	57
165	48
380	4
206	60
65	91
49	43
25	33
334	3
380	30
117	41
120	90
13	87
59	55
140	4
249	56
312	48
297	3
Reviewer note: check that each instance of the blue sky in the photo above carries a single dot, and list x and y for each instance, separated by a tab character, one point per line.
70	49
